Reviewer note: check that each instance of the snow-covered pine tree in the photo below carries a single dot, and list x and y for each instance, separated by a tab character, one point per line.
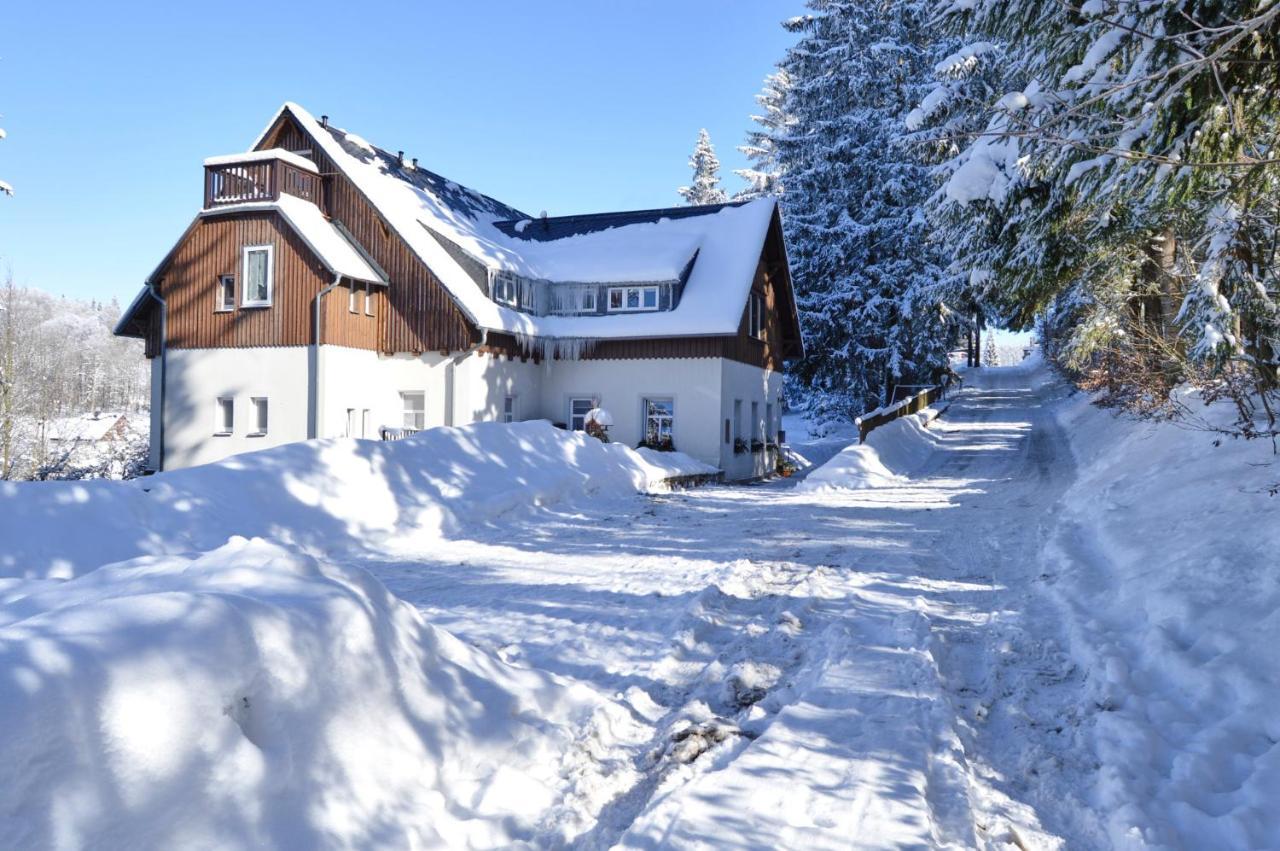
864	266
990	354
1126	183
764	177
705	188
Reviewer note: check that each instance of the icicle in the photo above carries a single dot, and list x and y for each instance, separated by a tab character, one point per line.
555	348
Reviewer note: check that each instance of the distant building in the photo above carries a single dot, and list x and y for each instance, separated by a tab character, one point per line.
331	288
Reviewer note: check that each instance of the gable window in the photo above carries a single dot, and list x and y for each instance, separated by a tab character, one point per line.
506	288
224	416
587	303
415	410
259	415
226	293
626	299
352	301
659	416
258	275
755	316
578	409
368	299
509	409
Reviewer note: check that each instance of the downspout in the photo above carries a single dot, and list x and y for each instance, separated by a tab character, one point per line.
314	400
164	368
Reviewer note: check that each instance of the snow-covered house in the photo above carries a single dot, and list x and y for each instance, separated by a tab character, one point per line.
331	288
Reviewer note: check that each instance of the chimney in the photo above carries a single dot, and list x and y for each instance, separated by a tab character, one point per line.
400	158
415	162
545	224
324	121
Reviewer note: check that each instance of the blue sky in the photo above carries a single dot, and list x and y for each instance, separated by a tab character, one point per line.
567	107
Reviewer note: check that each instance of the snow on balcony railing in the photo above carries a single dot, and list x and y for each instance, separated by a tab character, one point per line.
254	178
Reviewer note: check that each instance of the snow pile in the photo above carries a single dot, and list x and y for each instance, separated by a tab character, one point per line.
1164	560
254	697
890	452
323	496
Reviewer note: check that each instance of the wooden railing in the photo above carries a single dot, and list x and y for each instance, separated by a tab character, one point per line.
869	422
391	433
242	183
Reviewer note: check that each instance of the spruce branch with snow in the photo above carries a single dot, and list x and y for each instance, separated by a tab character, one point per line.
705	188
764	177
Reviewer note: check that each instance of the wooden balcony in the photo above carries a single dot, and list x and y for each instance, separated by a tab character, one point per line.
259	180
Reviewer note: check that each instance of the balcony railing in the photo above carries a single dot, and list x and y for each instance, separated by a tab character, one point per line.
259	180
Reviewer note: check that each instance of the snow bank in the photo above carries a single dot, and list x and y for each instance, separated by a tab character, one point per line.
322	496
1164	560
891	452
254	697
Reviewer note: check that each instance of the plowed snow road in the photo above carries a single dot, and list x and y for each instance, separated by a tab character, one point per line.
874	669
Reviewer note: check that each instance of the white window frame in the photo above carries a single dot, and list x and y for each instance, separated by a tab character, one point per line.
591	403
737	420
224	416
509	409
368	299
757	433
364	422
223	306
245	301
646	416
351	297
419	414
261	406
506	289
640	293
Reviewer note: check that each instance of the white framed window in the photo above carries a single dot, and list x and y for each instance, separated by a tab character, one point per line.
728	430
364	422
226	294
352	304
224	415
258	277
659	419
629	299
415	409
587	301
260	415
737	420
755	421
578	408
506	288
508	409
368	299
770	433
755	316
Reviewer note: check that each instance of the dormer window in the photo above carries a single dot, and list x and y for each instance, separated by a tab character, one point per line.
258	275
506	289
626	299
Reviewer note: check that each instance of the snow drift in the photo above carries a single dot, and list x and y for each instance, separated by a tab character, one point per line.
891	452
1163	560
321	495
254	697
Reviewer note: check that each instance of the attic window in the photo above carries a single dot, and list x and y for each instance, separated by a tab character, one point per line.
755	316
629	299
258	274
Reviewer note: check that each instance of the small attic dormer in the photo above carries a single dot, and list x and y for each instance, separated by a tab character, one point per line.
261	176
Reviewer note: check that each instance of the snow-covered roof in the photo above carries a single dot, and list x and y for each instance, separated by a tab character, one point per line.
88	427
263	156
649	246
333	248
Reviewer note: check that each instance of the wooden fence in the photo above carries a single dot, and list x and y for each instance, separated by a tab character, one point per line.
869	422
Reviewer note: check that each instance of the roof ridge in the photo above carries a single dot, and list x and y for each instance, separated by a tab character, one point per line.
685	210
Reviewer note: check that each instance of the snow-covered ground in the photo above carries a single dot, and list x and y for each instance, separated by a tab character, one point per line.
1043	627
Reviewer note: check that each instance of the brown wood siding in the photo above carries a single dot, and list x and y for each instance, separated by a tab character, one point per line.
212	248
344	328
416	314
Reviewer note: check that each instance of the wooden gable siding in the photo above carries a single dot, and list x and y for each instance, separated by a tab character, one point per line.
344	328
416	314
211	249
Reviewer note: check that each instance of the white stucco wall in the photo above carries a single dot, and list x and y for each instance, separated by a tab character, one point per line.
196	378
693	385
457	389
749	384
153	456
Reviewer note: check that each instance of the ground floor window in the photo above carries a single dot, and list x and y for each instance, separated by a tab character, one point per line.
415	410
578	409
509	409
364	423
224	413
659	417
260	415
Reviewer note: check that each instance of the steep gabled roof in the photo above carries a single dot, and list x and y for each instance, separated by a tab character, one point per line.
649	245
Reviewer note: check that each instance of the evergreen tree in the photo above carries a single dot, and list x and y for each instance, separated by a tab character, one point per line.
865	269
990	355
765	175
706	175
